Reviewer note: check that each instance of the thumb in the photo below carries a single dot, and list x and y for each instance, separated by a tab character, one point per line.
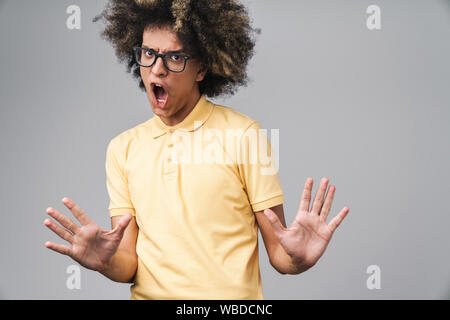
122	225
278	228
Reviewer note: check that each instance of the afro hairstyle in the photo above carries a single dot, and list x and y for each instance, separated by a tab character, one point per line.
215	32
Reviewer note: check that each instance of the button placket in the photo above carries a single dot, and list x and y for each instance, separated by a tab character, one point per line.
169	163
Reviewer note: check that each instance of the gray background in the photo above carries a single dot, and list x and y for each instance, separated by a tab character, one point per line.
368	109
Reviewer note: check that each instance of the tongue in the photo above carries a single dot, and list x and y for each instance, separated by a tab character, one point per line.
160	93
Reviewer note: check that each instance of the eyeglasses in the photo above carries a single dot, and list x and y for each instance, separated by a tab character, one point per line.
174	62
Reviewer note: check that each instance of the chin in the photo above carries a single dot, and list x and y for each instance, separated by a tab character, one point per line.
165	112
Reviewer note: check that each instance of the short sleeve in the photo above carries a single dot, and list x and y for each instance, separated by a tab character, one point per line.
258	168
116	181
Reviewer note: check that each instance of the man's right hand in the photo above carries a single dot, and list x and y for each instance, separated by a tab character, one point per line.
92	246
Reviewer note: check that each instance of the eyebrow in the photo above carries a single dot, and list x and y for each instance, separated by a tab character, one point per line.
170	51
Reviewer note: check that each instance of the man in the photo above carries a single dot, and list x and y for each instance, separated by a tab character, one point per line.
188	229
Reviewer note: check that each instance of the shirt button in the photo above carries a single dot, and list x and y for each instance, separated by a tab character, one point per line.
170	145
169	160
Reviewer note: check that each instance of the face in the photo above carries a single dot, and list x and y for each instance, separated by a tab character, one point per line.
180	92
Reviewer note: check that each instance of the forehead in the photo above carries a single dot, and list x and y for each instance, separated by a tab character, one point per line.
161	39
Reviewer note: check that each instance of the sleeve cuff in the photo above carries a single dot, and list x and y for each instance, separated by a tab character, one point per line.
121	212
272	202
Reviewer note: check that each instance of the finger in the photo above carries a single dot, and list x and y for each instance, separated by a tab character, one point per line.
318	199
306	196
338	219
278	228
63	233
122	225
76	211
327	204
60	248
63	220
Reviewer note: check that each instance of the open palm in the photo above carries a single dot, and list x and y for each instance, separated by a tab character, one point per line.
306	239
92	246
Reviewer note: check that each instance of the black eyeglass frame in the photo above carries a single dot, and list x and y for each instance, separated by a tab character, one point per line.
162	56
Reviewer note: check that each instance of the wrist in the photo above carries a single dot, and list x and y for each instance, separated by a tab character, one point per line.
108	265
299	265
121	267
286	264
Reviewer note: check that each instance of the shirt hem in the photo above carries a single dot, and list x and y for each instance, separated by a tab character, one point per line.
269	203
121	212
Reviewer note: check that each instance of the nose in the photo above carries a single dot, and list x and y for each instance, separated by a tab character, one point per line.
158	69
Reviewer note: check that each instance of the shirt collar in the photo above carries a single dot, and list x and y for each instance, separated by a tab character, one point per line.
194	120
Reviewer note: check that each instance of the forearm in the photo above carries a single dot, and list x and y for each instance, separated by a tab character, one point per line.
122	267
284	264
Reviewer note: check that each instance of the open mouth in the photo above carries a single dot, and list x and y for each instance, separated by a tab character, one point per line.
160	95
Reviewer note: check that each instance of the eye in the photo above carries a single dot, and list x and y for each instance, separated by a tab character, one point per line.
149	53
175	57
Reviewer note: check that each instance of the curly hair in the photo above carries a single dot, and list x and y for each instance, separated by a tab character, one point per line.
215	32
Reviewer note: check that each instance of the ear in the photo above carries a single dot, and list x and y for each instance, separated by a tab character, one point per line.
201	73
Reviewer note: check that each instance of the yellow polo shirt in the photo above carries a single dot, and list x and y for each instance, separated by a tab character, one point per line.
194	188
